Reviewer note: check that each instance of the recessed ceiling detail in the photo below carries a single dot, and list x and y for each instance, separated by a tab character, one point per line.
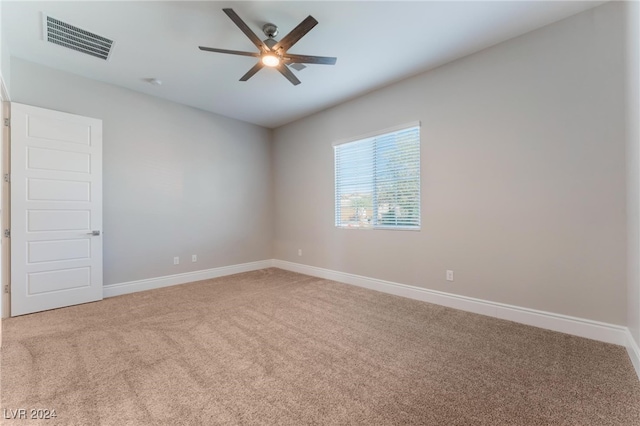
77	39
384	42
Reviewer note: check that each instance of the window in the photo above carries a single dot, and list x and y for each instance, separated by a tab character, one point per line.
378	180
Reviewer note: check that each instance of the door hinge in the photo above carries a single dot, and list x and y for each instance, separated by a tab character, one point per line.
6	288
7	233
7	177
7	122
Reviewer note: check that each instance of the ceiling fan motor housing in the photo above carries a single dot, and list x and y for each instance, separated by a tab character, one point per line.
270	30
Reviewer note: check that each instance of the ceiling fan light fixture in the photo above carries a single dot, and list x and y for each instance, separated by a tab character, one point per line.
270	60
272	53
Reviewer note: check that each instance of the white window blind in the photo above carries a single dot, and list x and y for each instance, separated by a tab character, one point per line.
378	181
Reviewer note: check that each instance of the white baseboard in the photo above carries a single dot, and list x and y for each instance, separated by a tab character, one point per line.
595	330
169	280
634	352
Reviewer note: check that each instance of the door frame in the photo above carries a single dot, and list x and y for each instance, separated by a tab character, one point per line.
5	246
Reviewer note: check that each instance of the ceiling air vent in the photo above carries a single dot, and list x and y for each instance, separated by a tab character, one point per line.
75	38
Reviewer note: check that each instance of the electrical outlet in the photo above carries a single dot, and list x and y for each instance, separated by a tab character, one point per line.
176	260
299	252
194	257
449	275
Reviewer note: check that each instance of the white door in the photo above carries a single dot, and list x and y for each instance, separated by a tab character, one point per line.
56	209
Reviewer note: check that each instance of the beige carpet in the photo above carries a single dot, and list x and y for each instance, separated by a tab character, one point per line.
274	347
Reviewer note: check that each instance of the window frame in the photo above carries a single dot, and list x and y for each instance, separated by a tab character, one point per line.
372	135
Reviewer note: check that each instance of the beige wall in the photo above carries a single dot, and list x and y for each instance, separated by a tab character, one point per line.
523	175
177	181
633	164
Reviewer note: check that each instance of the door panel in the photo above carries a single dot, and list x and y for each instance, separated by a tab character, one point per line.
58	220
62	130
50	251
62	161
56	204
61	279
58	190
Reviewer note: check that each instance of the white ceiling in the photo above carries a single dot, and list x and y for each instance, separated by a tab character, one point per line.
376	43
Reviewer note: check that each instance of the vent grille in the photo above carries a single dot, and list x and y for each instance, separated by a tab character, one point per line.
75	38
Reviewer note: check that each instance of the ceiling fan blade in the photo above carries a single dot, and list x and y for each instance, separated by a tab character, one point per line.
288	74
246	30
232	52
296	34
257	67
306	59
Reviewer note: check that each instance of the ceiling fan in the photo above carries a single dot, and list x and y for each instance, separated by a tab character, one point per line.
273	53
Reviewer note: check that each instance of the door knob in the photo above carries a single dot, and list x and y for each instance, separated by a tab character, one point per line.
94	233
